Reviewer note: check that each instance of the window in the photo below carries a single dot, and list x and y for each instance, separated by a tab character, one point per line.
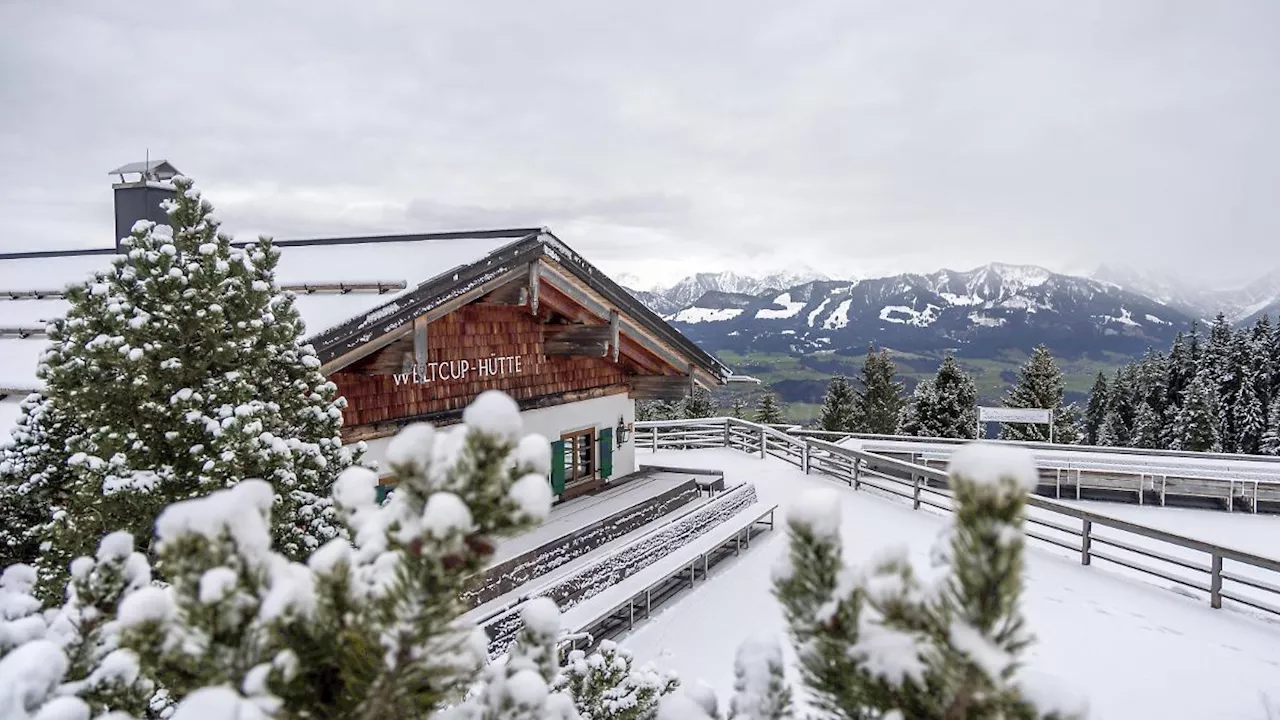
579	456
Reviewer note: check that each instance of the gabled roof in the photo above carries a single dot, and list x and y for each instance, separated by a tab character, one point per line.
350	291
391	319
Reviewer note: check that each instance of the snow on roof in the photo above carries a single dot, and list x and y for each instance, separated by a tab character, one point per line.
9	406
18	360
407	262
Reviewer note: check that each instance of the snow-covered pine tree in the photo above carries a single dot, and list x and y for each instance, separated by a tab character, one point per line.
1260	352
1250	421
184	368
1274	354
1271	438
760	684
768	411
1195	427
838	407
1122	409
879	403
881	642
698	404
658	410
364	629
1221	360
605	686
1179	369
739	408
947	406
912	421
1039	385
1151	374
1148	428
1096	411
33	477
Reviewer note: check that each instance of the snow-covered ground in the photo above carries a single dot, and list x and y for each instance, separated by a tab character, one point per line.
1135	649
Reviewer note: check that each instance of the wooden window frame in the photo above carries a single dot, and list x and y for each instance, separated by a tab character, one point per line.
571	440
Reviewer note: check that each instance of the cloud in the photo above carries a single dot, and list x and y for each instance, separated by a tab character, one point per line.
663	139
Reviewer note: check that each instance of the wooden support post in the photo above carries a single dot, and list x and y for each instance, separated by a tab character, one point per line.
728	436
535	280
804	458
1086	542
1215	582
763	439
614	336
915	491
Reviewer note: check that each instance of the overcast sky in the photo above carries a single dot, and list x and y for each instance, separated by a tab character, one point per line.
662	138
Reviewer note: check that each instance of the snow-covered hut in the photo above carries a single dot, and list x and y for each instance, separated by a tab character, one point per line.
413	327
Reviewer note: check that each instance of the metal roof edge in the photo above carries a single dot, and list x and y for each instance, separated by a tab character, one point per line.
36	254
513	233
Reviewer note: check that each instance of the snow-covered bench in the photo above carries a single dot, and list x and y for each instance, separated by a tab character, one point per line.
639	591
654	548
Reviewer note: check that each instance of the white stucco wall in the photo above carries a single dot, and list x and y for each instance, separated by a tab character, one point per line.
553	421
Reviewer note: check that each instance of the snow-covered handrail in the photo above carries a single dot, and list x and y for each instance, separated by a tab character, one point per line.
861	467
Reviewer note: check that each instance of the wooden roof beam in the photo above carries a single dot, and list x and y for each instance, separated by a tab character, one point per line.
587	298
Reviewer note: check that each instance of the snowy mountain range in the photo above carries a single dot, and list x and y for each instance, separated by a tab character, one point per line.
979	313
1242	305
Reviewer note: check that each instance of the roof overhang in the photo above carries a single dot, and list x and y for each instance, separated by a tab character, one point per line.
558	267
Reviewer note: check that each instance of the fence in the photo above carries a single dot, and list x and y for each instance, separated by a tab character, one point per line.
1251	580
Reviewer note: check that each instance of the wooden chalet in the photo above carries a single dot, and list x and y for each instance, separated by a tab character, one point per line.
412	327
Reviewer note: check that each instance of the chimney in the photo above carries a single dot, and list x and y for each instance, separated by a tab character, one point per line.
140	198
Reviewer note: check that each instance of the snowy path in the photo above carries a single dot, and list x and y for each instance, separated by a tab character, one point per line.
1136	650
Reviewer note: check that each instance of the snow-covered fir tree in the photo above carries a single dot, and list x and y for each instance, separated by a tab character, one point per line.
768	411
1096	411
1221	361
184	369
879	402
1250	413
760	686
838	413
1179	369
1148	428
364	628
658	410
1122	410
882	641
1271	438
1039	385
1195	427
738	408
944	406
698	404
34	476
605	686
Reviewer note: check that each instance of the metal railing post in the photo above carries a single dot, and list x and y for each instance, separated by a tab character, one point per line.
1086	541
1215	581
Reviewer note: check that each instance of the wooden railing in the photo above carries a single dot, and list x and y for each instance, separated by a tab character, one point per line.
1250	580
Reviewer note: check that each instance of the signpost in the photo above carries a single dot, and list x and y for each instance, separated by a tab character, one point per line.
1035	416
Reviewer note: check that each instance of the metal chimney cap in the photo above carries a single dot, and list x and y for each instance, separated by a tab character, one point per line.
149	170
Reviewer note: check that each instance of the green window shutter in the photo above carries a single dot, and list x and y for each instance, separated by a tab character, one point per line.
557	467
606	452
382	492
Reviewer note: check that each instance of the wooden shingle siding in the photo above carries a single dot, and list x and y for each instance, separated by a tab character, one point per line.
471	333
